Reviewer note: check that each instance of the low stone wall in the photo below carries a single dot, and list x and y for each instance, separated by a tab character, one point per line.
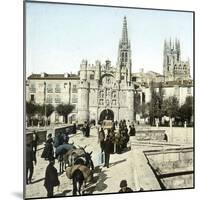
150	134
62	129
173	167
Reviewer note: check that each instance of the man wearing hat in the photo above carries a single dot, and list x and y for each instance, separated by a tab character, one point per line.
124	188
51	178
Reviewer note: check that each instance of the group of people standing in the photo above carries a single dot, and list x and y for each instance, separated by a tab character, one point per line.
115	140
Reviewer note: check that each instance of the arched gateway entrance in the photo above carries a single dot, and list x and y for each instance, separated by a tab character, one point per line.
106	114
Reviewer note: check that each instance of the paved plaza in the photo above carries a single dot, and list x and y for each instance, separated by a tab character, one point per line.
131	165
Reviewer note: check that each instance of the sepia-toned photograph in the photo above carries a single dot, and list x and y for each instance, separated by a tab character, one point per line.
109	100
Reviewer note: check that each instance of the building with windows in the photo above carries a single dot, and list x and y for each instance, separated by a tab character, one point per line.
102	91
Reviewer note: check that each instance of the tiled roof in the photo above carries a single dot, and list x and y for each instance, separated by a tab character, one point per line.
54	76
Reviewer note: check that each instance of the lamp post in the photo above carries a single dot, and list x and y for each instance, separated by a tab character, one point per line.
45	109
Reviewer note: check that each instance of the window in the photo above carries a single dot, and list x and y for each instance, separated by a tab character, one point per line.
122	77
49	88
32	97
57	88
114	94
57	99
101	94
41	85
91	76
114	102
74	99
107	102
101	102
49	99
32	88
74	89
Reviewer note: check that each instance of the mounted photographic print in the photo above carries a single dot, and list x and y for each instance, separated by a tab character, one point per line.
109	100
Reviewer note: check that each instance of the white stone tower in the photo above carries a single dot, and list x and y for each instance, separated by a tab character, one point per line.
83	94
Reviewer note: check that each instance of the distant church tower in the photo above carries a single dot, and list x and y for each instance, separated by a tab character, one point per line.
124	56
173	68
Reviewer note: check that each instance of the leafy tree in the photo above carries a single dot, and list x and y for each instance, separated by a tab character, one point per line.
41	109
64	110
186	110
49	109
171	107
156	103
160	101
30	110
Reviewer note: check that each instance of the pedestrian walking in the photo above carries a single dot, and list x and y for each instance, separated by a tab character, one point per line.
84	129
51	178
87	131
107	150
35	143
48	152
30	158
74	128
124	187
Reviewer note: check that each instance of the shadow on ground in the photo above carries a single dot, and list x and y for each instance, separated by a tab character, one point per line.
36	181
64	193
117	162
98	181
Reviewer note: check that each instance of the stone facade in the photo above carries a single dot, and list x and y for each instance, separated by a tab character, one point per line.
173	67
106	91
103	91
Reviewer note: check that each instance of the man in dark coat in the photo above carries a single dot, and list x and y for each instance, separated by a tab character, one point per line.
51	178
101	138
74	128
30	157
35	143
87	131
124	188
107	150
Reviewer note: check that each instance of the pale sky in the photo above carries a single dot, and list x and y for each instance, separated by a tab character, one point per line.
59	36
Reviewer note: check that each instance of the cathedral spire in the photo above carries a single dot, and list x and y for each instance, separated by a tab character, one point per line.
124	54
125	32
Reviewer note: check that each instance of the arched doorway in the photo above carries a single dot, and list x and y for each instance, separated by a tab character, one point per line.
106	114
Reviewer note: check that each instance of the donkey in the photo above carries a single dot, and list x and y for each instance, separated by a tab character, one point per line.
80	175
85	159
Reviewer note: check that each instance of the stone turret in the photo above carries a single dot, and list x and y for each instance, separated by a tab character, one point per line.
83	94
98	70
83	70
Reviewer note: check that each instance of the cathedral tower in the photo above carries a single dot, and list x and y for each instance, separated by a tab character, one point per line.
124	55
173	67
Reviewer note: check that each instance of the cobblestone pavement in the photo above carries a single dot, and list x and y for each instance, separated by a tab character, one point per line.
130	165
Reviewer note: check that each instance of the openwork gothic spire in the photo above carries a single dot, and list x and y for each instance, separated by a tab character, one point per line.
125	32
